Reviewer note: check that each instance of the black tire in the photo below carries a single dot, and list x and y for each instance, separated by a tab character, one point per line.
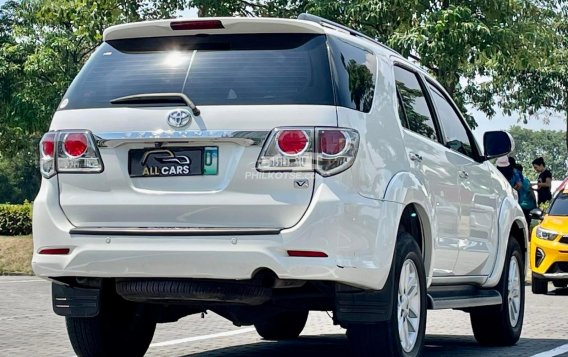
120	329
539	285
491	325
383	339
560	284
282	326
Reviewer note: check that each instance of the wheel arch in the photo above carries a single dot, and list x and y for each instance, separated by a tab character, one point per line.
407	189
511	223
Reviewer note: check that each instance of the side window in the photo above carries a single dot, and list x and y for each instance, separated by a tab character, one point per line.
455	134
418	115
401	113
355	75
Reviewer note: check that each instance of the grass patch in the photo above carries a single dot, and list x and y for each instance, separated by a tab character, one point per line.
16	255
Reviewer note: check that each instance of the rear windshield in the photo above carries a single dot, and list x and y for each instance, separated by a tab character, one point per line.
211	70
559	206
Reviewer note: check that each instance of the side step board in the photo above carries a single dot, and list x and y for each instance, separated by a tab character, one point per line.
460	297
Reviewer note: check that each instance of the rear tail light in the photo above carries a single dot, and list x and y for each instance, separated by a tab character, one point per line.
292	142
327	151
70	152
47	153
75	144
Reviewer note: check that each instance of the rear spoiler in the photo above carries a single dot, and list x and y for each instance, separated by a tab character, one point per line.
218	25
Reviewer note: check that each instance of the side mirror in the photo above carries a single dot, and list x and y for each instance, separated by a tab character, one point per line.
537	214
497	143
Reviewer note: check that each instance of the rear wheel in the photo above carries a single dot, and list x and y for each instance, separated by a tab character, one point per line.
119	329
282	326
560	284
403	334
501	325
539	285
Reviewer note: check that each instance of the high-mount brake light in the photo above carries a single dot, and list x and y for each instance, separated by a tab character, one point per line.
69	151
196	25
327	151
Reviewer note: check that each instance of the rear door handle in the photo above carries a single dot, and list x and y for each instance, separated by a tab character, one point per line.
415	157
463	174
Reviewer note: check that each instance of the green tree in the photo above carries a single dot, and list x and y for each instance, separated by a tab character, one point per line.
549	144
540	89
458	41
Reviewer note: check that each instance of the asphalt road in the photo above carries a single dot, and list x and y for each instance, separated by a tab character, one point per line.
28	327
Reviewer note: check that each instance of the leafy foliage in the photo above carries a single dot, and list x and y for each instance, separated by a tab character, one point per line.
16	220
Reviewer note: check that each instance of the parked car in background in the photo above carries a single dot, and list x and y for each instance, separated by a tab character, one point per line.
263	168
549	243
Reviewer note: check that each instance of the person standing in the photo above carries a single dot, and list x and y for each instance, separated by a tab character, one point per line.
527	201
544	181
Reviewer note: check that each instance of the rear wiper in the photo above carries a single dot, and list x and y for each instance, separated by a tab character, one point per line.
157	98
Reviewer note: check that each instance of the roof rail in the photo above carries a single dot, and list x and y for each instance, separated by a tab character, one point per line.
328	23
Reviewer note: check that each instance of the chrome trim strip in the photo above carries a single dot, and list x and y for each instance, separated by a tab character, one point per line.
244	138
555	275
157	231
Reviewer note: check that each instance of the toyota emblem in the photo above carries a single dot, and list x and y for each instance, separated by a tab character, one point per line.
179	118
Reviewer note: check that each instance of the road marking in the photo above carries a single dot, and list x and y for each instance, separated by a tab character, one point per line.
553	352
21	281
204	337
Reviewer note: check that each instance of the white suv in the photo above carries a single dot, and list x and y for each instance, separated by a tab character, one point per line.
262	168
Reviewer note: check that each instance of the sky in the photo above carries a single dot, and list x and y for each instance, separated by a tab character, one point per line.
503	122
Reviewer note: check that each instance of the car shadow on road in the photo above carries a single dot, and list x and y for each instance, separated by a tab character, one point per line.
337	345
559	291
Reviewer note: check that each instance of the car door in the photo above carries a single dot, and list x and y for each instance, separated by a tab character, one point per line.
477	225
430	164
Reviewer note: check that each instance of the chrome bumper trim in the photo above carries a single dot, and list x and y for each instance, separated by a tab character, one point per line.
244	138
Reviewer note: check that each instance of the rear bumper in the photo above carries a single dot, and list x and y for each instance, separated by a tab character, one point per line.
357	233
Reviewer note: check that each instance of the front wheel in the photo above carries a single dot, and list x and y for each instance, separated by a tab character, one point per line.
120	329
501	325
403	334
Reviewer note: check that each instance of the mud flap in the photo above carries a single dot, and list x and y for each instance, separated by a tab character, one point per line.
357	306
75	302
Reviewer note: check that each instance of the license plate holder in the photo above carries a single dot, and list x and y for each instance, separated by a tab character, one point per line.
173	161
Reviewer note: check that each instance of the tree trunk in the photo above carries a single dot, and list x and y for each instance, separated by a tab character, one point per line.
202	11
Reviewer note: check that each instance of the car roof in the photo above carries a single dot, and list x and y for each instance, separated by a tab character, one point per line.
250	25
230	25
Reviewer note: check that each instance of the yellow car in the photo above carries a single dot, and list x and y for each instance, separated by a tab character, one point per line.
549	245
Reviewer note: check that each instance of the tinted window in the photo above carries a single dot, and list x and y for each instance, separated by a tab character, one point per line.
455	134
414	103
559	206
211	70
401	114
355	75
